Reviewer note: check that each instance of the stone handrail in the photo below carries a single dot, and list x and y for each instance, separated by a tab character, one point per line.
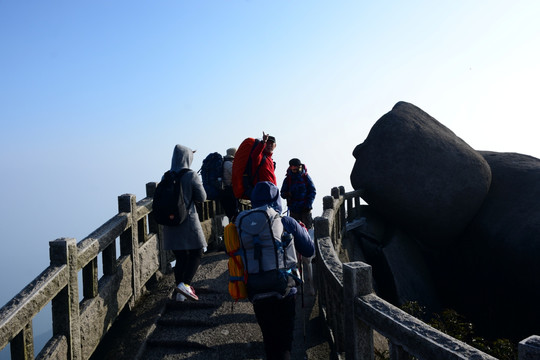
353	311
131	253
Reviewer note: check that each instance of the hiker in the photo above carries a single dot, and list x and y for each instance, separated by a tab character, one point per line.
186	240
299	191
274	306
263	166
227	198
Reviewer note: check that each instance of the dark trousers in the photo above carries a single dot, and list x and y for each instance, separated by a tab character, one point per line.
229	202
276	320
187	263
303	216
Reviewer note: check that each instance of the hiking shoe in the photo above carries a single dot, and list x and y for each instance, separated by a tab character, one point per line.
187	291
180	297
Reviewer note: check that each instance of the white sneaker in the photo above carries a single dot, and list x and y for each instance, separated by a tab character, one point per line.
187	290
180	297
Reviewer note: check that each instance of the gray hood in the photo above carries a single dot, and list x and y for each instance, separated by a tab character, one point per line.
182	158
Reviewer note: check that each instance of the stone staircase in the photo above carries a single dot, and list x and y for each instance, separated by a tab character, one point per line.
215	327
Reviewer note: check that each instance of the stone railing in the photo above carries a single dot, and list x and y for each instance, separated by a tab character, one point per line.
353	311
131	253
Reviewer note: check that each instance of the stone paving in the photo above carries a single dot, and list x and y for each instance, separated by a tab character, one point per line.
215	327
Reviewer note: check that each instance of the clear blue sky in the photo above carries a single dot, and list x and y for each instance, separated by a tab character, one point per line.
95	94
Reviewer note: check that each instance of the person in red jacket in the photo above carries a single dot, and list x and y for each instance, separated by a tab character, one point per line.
263	166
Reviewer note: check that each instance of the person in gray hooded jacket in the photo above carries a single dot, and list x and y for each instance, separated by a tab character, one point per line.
186	240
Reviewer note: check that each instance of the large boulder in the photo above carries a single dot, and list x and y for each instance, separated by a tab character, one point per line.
400	272
420	175
498	259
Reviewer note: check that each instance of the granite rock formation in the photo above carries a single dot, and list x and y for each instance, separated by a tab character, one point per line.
420	175
498	254
475	215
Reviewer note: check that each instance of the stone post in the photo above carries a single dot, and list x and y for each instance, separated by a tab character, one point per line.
155	228
335	193
359	336
328	202
90	279
529	348
130	242
321	227
109	259
341	218
349	209
22	345
65	305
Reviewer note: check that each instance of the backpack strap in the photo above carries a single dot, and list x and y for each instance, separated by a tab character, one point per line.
257	251
259	166
179	175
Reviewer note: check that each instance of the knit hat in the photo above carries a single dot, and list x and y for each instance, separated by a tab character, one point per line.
231	152
295	162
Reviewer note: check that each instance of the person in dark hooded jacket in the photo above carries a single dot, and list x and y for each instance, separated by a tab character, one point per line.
299	191
186	240
276	313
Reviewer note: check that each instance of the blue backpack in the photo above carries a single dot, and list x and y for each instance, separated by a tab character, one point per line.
212	173
267	252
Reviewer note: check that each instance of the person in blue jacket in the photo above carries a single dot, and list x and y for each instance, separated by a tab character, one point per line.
299	191
276	314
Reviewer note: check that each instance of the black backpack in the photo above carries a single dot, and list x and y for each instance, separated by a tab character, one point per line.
169	207
212	175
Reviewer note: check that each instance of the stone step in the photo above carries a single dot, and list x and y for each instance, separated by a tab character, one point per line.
215	327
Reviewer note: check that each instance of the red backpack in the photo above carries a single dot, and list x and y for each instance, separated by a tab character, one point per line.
242	178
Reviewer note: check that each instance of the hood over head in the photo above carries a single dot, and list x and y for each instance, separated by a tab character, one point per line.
266	193
231	152
182	158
